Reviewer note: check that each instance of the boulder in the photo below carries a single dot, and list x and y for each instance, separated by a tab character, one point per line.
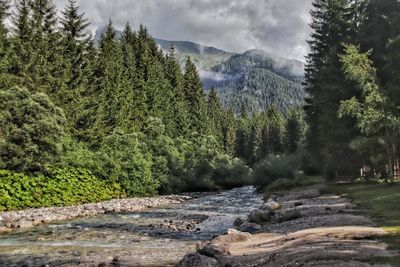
238	222
271	205
260	216
233	236
288	216
197	260
214	250
249	227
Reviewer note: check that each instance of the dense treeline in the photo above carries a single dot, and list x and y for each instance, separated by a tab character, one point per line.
83	123
352	78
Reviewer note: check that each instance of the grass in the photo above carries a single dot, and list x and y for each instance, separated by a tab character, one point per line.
381	203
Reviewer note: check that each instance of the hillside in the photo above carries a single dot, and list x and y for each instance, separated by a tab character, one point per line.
256	78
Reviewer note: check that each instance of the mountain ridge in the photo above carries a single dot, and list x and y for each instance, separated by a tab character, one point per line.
255	77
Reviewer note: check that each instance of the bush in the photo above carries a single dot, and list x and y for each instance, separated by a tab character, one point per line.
124	159
31	130
230	173
275	167
60	187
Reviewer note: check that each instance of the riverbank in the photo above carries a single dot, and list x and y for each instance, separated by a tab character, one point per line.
28	218
302	227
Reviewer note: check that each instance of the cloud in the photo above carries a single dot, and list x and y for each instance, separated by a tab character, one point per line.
277	26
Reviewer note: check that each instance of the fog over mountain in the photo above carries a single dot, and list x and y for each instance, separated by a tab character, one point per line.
276	26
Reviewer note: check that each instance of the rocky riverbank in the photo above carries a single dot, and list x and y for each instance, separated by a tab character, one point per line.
12	220
297	228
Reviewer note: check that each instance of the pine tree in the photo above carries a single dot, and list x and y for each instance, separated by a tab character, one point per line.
111	81
329	137
195	98
215	114
174	77
229	132
243	148
6	78
21	43
75	42
128	116
294	132
46	68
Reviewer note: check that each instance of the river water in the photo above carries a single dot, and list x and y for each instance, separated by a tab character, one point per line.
154	237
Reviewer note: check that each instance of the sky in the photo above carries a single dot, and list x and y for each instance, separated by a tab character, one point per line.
276	26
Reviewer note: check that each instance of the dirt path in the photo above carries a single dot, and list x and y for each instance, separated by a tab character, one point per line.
308	229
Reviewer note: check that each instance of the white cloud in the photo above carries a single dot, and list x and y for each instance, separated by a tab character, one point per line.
277	26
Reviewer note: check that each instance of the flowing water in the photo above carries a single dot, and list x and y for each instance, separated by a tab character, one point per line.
155	237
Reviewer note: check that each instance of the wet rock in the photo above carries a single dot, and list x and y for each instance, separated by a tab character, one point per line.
215	250
238	222
271	205
288	216
197	260
116	259
32	217
233	236
260	216
250	227
23	224
298	204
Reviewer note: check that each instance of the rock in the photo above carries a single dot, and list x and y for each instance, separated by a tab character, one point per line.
238	222
249	227
215	250
260	216
5	230
298	204
24	224
233	236
288	216
271	205
197	260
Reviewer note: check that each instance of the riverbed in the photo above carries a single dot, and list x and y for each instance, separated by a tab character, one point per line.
152	237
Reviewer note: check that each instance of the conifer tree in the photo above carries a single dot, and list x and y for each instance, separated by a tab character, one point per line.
128	113
195	98
75	42
21	42
111	81
174	77
329	137
294	131
46	69
215	114
5	48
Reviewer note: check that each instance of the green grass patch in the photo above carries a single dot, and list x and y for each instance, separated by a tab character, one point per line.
381	203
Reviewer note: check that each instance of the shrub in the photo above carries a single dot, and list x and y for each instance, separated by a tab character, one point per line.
59	187
275	167
31	130
230	173
124	159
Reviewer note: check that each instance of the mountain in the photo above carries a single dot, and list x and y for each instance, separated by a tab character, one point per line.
258	80
255	78
205	57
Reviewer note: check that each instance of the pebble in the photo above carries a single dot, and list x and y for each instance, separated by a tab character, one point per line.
11	220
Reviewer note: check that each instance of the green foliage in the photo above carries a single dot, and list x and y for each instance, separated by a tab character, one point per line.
374	119
275	167
123	159
59	187
31	130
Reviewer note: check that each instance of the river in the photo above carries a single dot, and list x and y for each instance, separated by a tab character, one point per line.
154	237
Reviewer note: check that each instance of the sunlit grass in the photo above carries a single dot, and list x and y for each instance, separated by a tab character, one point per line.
381	203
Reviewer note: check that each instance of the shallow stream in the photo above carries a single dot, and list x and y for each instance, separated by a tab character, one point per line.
154	237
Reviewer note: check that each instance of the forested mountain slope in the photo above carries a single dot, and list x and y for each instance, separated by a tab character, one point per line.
255	79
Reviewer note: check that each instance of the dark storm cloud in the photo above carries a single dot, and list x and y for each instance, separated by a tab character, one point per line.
277	26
